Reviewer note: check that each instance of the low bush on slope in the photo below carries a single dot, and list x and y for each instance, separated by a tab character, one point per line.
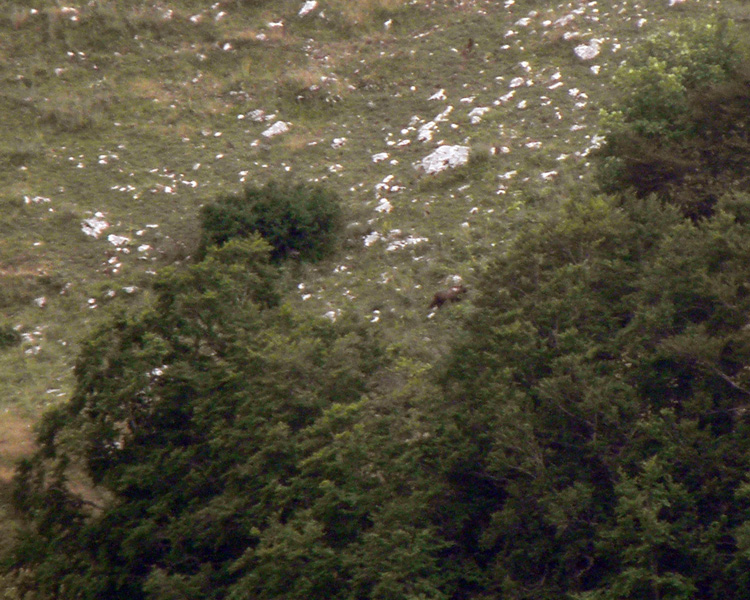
295	219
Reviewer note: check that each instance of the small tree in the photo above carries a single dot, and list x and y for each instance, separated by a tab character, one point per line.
8	337
295	219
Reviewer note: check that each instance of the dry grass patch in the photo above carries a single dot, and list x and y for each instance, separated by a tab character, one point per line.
304	77
148	88
363	12
298	141
19	17
22	271
204	95
20	259
16	442
250	35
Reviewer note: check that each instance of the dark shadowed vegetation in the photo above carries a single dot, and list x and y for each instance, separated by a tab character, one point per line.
578	428
8	337
295	219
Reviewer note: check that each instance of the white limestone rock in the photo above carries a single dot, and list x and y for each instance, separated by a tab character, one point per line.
444	157
276	129
307	8
94	226
587	51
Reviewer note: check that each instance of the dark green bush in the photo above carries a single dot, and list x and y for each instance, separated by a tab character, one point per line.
8	337
295	219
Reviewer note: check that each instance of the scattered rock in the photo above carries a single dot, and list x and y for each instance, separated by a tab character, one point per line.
371	238
276	129
444	157
307	8
587	51
117	240
384	206
94	226
35	199
426	131
477	113
257	115
397	241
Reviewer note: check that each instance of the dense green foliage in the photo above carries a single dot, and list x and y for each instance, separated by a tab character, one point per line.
296	219
601	400
193	418
681	128
587	436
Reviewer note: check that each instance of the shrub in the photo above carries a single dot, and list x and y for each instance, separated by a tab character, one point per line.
295	219
680	130
8	337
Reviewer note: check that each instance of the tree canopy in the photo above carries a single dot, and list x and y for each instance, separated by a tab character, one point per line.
680	129
587	436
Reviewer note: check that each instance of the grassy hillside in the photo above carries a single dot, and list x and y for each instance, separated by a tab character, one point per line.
121	118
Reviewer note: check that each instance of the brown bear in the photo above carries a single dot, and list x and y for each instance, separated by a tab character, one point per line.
450	295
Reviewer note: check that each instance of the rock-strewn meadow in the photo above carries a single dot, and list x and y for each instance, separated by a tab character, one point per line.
440	124
444	127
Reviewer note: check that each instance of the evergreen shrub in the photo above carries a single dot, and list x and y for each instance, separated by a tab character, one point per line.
8	337
296	219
